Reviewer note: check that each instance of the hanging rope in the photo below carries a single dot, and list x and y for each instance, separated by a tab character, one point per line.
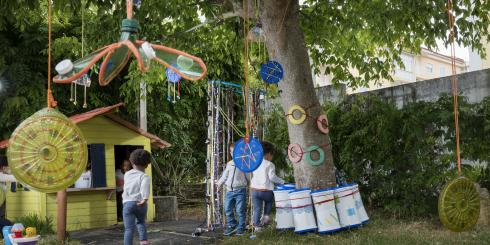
50	99
454	80
129	9
245	61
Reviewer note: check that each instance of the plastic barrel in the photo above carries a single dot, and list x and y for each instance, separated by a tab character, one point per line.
346	207
302	206
361	211
284	213
326	212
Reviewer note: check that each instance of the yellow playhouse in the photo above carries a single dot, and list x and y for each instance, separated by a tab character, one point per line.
108	137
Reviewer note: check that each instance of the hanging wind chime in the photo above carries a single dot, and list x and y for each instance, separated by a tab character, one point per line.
115	57
173	89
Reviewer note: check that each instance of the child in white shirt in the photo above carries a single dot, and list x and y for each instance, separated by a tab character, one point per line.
262	184
135	197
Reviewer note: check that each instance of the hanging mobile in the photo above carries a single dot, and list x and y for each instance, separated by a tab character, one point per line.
459	201
173	91
248	153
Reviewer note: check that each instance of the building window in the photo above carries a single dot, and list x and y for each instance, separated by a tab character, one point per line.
442	71
407	62
429	67
95	174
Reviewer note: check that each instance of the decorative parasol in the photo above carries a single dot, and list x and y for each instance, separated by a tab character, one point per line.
47	152
115	57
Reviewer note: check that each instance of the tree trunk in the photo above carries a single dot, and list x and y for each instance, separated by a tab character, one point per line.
286	45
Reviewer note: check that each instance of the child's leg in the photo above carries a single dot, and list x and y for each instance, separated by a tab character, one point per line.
241	208
229	206
140	213
129	221
257	207
268	197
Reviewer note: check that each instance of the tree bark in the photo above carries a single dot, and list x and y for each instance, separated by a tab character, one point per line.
286	45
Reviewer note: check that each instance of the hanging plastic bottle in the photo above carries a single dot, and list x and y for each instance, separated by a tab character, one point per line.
173	91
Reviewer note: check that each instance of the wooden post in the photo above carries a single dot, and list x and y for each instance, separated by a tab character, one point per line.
61	215
142	110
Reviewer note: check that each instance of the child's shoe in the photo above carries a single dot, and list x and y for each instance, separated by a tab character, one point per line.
144	242
266	220
240	232
229	231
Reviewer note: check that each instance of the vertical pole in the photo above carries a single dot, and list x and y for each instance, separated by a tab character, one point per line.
142	110
61	215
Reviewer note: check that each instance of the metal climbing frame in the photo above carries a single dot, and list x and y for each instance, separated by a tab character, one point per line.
220	135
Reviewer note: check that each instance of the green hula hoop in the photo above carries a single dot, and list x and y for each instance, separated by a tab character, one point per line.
321	155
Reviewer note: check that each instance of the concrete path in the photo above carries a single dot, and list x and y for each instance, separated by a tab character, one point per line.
170	232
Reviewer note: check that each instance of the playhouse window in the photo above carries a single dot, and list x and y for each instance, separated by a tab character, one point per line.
95	175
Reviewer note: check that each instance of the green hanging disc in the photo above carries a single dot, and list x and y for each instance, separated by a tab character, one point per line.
321	155
459	205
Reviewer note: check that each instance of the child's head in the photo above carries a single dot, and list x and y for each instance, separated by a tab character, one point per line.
231	147
268	150
3	164
126	166
140	159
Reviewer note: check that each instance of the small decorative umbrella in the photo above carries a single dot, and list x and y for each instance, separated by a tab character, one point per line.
47	152
116	56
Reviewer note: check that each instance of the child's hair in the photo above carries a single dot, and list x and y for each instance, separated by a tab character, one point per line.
3	161
140	157
267	147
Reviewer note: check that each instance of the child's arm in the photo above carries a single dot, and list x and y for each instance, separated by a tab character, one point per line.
224	176
7	178
145	189
273	177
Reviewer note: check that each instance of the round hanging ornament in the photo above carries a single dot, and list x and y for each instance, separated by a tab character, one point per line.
322	123
321	155
296	119
47	152
459	205
271	72
295	153
248	156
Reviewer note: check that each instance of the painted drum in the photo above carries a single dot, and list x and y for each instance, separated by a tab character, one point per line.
346	207
322	123
302	206
286	187
295	153
291	116
284	213
361	211
326	212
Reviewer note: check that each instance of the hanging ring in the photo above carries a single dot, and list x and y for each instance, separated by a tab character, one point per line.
322	123
295	153
301	118
321	155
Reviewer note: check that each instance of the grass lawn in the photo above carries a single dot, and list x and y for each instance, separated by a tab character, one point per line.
378	231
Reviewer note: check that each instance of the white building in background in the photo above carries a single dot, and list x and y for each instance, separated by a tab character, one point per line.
424	66
475	61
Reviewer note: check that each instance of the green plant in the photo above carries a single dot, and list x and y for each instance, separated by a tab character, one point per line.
43	226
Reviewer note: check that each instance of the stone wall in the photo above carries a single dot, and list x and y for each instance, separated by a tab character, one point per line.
474	85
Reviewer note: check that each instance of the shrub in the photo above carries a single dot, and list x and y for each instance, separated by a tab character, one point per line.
43	226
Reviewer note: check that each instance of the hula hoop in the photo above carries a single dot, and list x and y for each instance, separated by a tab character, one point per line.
291	117
322	123
295	153
321	155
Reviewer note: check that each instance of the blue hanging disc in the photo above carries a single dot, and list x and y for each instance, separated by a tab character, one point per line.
172	76
248	156
271	72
